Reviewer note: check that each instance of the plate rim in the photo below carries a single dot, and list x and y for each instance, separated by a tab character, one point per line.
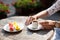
34	29
12	31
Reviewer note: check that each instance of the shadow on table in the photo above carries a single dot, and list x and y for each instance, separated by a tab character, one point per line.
40	32
5	33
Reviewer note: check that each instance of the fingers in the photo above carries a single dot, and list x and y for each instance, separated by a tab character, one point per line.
57	24
47	24
51	22
43	22
48	27
29	20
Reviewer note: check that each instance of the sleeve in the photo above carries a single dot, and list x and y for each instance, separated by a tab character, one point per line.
54	8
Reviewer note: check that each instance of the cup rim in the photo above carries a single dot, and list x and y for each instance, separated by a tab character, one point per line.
34	21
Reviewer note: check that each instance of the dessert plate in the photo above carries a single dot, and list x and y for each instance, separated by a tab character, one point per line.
6	28
38	27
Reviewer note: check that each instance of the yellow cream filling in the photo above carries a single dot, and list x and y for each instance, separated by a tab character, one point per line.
16	26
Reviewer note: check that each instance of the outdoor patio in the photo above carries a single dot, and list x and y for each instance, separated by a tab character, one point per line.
20	14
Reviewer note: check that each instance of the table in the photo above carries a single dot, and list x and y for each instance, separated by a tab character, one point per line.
25	34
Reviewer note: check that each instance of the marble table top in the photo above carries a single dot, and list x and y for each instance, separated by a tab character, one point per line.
25	34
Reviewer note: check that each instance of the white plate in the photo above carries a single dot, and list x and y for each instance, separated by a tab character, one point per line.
6	27
38	28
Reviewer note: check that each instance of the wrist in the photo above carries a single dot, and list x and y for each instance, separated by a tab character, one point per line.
35	17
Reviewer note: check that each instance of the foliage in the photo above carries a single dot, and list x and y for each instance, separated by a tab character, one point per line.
4	8
26	3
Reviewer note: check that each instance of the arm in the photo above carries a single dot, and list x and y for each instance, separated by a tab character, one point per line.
54	8
41	14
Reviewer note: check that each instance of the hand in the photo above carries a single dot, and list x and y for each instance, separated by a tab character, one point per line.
29	20
47	24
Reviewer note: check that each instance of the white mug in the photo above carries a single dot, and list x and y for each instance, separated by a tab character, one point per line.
35	24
